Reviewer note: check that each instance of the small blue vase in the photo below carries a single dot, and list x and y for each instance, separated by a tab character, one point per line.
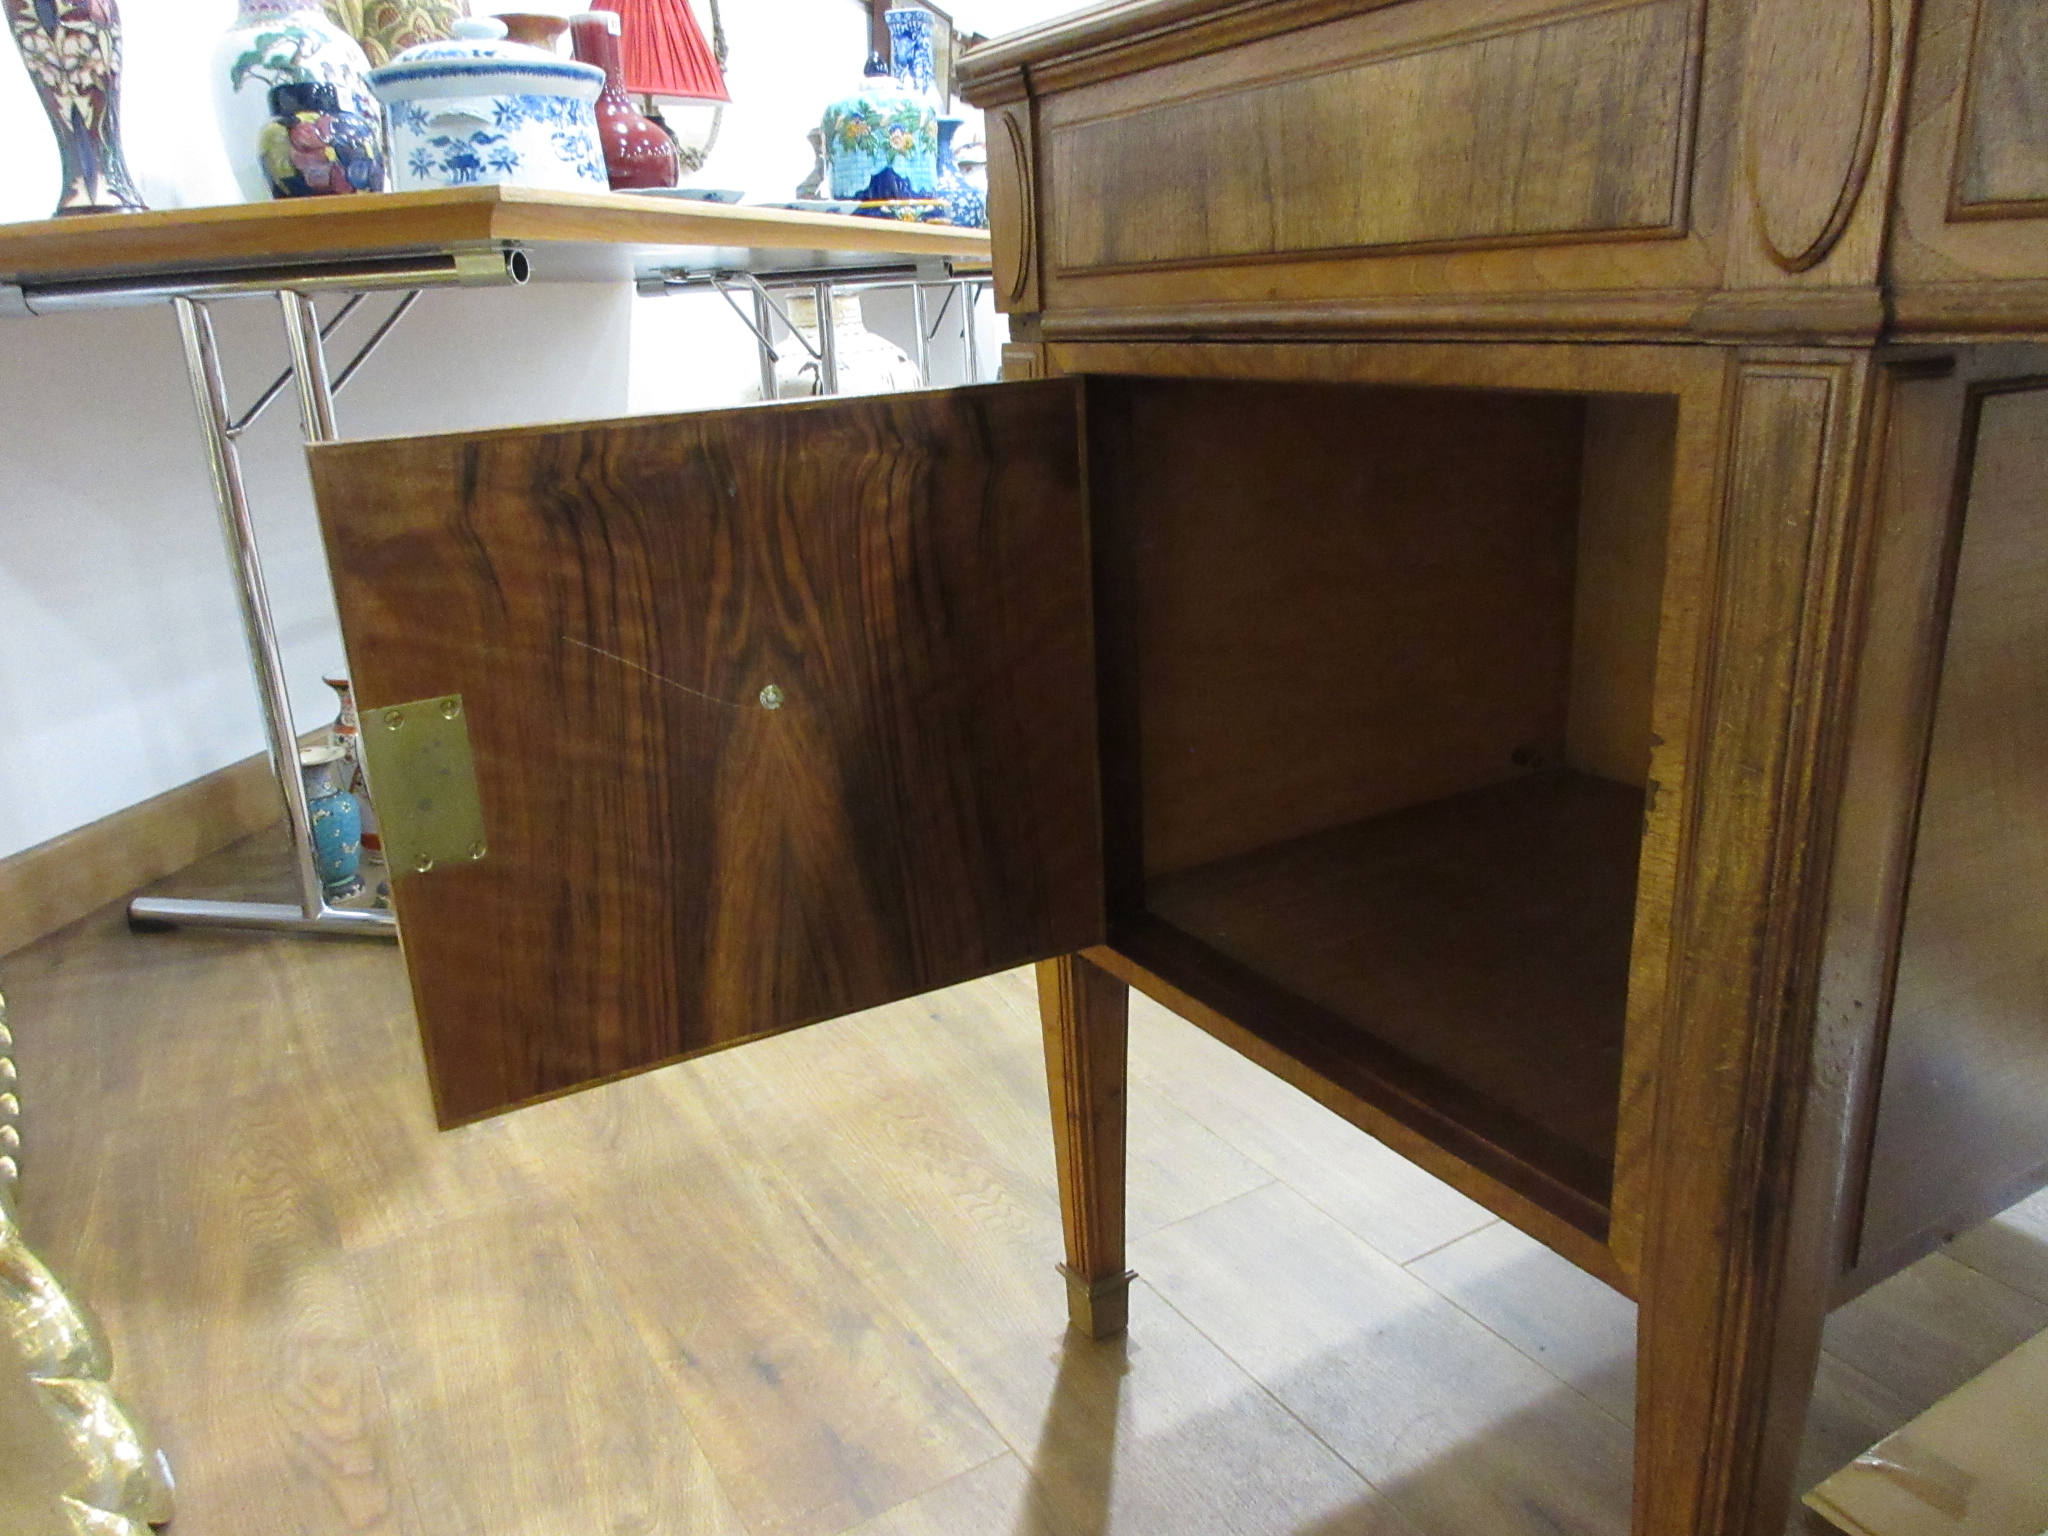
337	822
963	201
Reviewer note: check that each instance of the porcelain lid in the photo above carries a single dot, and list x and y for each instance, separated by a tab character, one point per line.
478	61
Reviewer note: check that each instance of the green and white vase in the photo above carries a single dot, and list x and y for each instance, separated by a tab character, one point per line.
273	43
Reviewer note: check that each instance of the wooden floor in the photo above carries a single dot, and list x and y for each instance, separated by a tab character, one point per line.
806	1287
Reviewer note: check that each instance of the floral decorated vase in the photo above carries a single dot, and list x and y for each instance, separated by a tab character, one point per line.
73	52
882	142
961	201
313	148
273	43
476	109
337	822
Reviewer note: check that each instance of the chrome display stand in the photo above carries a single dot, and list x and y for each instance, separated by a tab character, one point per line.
293	289
922	279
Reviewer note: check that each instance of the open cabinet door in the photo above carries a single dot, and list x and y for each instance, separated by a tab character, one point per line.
775	714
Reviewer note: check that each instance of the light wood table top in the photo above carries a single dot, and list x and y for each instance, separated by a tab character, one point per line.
571	234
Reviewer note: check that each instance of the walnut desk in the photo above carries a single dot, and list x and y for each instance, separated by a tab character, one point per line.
1508	581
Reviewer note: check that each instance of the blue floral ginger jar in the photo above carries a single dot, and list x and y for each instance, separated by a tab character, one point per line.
475	109
882	142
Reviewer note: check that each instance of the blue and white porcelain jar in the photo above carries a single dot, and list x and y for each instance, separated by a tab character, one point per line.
910	52
476	109
962	202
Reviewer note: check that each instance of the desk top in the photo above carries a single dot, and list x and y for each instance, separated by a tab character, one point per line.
572	234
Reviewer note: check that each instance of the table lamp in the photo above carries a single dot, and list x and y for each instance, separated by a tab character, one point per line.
666	57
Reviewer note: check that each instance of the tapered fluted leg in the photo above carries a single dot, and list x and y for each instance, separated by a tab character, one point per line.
1085	1012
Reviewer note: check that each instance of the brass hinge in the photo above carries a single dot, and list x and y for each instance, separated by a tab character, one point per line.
423	782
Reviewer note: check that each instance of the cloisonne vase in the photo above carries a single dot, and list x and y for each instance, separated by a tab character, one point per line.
274	43
337	822
882	142
73	52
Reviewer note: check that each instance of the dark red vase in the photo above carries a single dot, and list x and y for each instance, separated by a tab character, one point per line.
638	151
73	52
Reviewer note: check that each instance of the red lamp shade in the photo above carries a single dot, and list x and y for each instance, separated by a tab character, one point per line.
664	52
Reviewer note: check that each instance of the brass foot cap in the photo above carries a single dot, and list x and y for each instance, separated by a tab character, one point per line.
1098	1309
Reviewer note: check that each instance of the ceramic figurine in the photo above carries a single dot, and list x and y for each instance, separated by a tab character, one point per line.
477	109
964	203
73	52
274	43
312	148
638	152
868	364
882	142
386	28
337	823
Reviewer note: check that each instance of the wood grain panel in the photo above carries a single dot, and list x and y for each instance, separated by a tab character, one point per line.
1433	98
674	864
1816	94
2001	167
1732	1301
1342	607
1618	590
1962	1125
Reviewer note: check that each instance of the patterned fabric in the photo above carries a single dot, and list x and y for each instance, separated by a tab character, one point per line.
386	28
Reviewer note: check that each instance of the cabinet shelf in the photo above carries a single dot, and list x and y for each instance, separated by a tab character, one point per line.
1471	952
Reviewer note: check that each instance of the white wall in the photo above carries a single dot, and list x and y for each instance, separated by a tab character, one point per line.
122	671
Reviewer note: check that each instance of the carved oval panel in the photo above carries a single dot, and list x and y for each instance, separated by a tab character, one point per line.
1817	75
1011	215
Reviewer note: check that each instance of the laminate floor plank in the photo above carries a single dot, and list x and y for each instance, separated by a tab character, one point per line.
529	1405
806	1287
2011	1248
1932	1327
997	1498
211	1249
1580	1329
958	1229
1379	1195
815	1404
1462	1431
